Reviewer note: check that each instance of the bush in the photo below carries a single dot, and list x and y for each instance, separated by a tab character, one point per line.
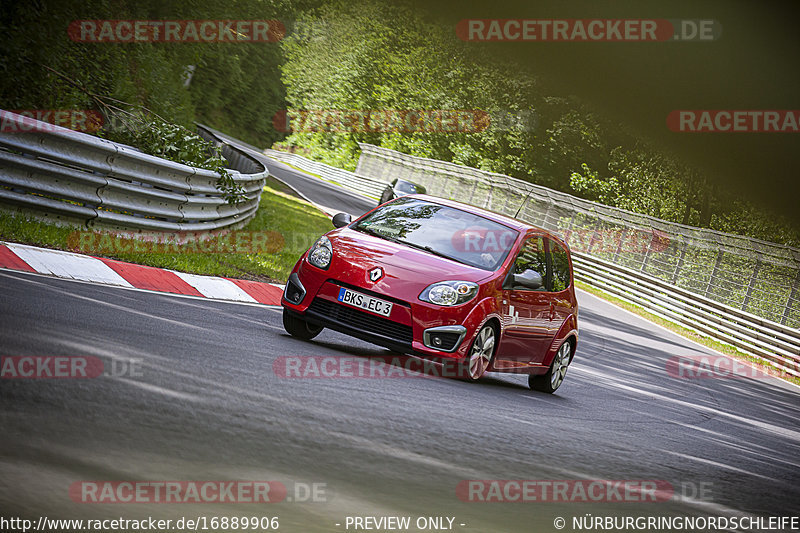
155	136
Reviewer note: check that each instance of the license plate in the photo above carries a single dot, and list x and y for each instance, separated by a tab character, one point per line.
362	301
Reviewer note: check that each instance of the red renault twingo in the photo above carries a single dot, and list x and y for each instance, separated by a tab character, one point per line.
445	281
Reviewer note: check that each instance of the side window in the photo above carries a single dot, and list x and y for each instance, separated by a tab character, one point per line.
561	277
532	257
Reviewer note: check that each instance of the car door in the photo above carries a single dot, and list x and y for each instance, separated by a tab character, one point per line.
559	297
525	311
562	298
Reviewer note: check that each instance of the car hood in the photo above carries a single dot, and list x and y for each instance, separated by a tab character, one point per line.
406	270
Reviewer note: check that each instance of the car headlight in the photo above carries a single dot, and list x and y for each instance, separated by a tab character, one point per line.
449	292
321	253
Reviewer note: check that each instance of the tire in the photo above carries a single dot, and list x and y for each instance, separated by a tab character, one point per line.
552	380
299	328
481	353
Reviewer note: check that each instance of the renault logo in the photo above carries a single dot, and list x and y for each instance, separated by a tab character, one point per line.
375	274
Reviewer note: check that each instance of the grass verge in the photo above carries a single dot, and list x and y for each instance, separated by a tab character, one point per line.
283	228
708	342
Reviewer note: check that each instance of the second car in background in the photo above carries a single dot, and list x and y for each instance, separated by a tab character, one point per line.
399	188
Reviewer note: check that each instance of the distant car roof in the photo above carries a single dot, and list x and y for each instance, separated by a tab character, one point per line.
398	181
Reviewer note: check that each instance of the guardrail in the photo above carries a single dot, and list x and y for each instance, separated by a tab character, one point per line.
237	159
775	342
357	182
75	178
768	340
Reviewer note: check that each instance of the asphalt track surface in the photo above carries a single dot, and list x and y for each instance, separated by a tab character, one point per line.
329	196
205	404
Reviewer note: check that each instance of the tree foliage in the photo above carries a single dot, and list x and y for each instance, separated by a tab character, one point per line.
368	55
233	86
362	55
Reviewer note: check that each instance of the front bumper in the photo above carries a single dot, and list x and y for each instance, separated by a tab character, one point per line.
420	329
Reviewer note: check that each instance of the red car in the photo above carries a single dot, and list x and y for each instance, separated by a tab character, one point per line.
445	281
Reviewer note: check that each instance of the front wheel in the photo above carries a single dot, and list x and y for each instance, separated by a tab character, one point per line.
480	354
555	375
299	328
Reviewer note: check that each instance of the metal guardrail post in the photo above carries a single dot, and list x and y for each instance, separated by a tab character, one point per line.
679	264
751	285
793	297
714	272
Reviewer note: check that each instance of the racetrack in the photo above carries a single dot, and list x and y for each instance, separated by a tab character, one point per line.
206	404
330	197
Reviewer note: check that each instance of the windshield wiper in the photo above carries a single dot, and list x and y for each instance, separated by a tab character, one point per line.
374	233
432	251
425	248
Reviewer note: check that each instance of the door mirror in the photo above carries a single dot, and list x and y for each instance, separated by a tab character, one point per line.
530	279
341	219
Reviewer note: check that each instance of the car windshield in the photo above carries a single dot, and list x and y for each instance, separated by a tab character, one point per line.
440	230
406	187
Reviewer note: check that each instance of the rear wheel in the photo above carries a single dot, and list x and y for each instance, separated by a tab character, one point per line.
299	328
481	352
555	375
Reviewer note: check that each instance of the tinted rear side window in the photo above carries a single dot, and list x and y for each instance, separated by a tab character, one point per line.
532	257
561	276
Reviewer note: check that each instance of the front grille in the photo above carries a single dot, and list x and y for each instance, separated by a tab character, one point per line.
362	321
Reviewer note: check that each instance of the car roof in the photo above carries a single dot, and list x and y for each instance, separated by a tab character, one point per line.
511	222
